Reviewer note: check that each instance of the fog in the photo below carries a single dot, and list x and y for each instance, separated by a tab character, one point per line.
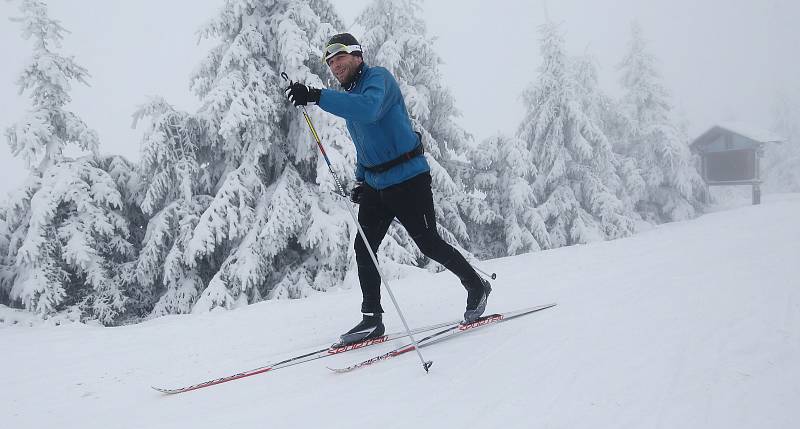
722	60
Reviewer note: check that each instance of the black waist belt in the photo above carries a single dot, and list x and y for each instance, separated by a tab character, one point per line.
380	168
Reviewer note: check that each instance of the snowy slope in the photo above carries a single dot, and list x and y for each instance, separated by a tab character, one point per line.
693	325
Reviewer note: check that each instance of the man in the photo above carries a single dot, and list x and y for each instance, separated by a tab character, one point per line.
392	176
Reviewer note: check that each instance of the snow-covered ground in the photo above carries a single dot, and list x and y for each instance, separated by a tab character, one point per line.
691	325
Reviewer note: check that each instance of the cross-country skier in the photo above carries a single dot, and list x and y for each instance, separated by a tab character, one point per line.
392	176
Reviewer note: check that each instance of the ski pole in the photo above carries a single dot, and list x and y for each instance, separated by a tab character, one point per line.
425	364
492	276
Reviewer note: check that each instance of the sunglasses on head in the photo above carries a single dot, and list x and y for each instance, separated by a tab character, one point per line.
338	48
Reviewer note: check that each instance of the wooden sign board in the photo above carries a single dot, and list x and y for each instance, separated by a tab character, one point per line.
731	166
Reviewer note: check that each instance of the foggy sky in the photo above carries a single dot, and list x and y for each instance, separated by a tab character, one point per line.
722	60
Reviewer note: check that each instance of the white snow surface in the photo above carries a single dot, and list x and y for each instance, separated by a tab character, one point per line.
693	324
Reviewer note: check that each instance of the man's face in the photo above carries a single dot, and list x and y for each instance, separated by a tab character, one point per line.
344	66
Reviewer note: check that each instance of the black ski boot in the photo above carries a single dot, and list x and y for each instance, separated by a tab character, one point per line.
371	326
476	300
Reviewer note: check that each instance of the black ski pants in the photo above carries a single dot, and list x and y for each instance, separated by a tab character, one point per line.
411	202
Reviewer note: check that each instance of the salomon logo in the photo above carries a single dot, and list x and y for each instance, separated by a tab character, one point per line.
354	346
480	322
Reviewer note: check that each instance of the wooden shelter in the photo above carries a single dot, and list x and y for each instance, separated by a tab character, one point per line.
731	155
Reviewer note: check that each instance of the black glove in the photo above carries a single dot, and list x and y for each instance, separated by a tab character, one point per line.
358	191
301	95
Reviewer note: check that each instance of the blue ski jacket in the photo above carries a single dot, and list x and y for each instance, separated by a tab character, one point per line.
379	126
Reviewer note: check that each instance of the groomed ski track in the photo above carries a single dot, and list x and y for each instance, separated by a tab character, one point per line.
691	324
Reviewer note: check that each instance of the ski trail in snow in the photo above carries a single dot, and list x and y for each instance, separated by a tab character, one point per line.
693	324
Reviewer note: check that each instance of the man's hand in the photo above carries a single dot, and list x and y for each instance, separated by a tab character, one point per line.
301	95
358	191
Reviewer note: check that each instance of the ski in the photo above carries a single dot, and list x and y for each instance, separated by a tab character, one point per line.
445	334
307	357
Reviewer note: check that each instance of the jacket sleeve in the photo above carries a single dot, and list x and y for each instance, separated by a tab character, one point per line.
368	106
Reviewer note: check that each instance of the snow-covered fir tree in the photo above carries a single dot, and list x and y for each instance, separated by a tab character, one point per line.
126	176
576	181
782	160
673	187
609	116
506	222
14	214
173	193
66	235
274	223
395	37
